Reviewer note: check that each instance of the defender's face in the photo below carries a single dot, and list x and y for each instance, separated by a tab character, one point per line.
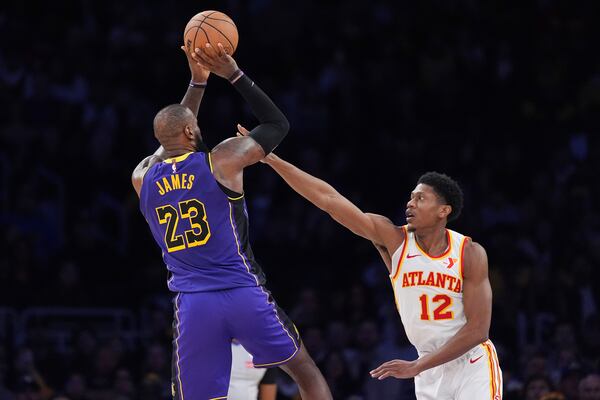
424	208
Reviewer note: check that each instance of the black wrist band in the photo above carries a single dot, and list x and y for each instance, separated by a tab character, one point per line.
198	85
236	75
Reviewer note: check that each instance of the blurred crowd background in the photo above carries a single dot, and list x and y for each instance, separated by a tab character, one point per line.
503	96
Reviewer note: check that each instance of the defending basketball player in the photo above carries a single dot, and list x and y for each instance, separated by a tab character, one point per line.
193	201
440	282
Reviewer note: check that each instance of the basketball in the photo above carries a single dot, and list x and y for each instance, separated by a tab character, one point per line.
210	27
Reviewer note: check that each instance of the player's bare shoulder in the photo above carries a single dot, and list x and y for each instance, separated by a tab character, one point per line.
237	152
137	176
475	261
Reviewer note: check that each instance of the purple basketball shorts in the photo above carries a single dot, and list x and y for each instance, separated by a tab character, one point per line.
204	325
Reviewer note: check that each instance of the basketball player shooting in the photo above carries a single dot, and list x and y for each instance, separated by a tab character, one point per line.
440	282
193	201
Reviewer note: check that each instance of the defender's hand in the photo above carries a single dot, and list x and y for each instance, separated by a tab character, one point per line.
397	368
245	132
216	60
199	73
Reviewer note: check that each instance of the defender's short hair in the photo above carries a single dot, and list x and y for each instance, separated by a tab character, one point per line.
447	189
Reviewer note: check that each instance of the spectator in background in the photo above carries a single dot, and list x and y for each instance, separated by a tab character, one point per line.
5	394
83	352
553	396
569	381
536	387
106	362
340	382
76	387
589	387
29	380
153	387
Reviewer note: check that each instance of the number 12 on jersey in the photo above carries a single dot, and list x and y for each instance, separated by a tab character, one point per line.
440	311
195	212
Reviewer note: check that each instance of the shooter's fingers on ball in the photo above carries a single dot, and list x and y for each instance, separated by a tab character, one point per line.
201	64
202	59
220	50
211	51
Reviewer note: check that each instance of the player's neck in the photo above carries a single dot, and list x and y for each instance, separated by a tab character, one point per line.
433	240
178	151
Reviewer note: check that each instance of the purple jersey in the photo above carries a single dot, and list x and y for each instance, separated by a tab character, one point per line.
201	226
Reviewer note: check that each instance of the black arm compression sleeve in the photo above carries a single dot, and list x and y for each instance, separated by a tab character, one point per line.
274	125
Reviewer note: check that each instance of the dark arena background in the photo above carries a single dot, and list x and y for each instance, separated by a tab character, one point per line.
502	96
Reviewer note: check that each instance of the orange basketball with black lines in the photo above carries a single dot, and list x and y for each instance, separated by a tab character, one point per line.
210	27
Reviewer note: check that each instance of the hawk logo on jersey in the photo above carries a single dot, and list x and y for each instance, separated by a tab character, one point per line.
451	261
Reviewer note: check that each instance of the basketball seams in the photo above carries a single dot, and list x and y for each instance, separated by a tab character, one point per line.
194	41
196	20
222	34
199	22
205	34
199	26
230	22
186	32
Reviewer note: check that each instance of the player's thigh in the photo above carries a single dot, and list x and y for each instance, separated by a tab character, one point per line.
262	327
201	347
432	384
301	368
481	375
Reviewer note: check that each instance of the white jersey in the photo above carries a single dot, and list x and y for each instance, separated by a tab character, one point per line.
244	377
428	291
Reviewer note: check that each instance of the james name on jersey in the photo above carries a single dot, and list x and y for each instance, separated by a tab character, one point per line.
176	181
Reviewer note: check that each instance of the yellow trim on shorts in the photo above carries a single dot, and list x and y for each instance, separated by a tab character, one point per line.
218	398
494	389
279	362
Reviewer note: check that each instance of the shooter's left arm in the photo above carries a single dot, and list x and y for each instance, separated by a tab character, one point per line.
191	99
195	92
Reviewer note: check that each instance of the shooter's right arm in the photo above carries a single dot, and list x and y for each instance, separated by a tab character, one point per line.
375	228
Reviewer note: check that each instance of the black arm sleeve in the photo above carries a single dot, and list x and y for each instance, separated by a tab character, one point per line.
274	125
